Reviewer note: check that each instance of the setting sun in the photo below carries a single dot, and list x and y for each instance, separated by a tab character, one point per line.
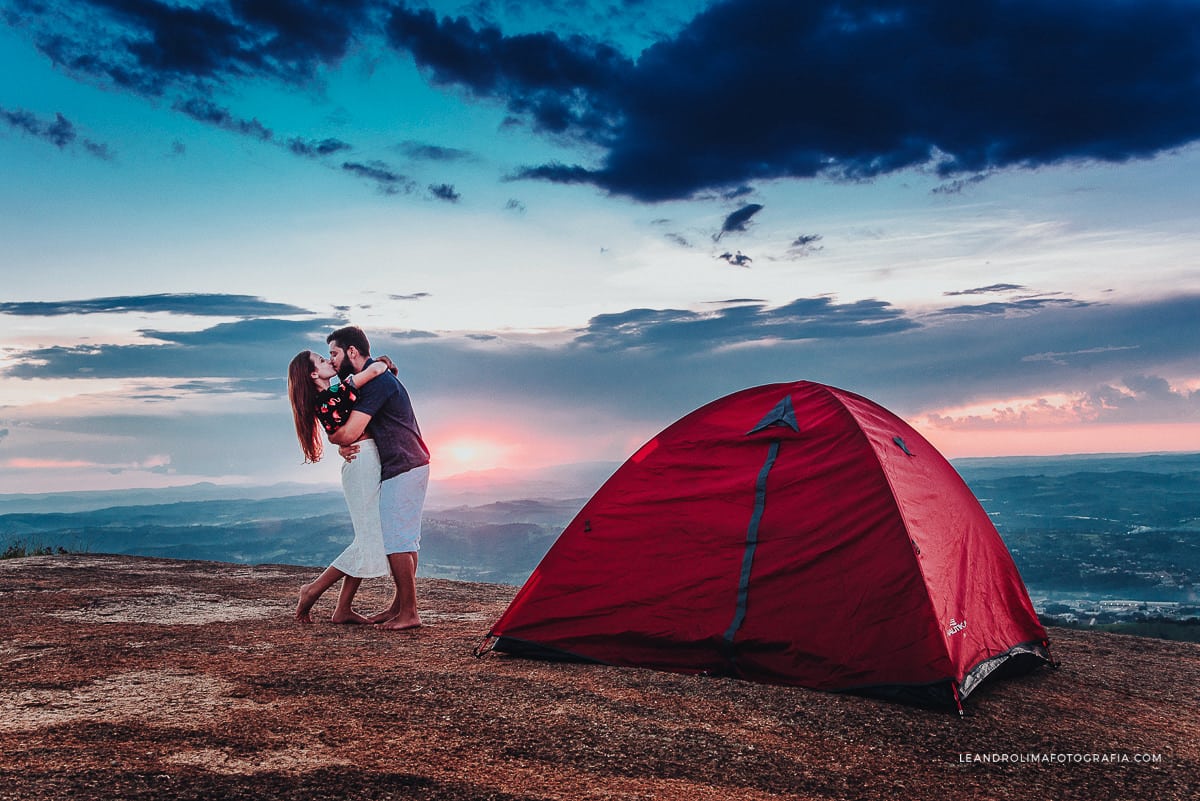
460	454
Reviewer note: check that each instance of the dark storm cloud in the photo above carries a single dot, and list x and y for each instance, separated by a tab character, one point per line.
849	90
148	46
802	319
747	90
561	84
205	305
161	49
61	132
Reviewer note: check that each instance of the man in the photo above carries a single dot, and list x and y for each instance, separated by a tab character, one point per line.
383	412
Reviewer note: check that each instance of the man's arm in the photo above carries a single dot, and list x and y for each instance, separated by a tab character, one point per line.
353	430
372	370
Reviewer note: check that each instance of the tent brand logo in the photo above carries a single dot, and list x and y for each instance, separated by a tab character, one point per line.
955	627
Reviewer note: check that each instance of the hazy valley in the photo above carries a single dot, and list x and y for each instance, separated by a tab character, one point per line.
1097	539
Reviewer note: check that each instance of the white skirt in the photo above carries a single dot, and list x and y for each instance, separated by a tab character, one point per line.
364	558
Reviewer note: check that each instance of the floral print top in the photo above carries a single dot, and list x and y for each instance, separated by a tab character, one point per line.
334	406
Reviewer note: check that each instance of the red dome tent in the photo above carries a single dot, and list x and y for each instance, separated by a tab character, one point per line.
790	534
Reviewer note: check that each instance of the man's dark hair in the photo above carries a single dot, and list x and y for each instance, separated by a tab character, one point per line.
350	337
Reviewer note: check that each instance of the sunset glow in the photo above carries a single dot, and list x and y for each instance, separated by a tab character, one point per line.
466	453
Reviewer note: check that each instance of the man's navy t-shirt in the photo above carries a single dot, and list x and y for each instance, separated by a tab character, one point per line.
393	425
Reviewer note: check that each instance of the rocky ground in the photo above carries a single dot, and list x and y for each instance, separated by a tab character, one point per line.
131	678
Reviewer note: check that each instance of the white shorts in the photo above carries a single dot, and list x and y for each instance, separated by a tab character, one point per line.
401	500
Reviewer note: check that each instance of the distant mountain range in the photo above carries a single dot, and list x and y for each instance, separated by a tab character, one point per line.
1102	526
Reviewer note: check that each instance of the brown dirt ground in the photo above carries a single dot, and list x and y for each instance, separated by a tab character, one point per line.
132	678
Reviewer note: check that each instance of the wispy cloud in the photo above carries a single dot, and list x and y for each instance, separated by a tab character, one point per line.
206	111
424	151
1021	306
386	180
805	245
200	304
802	319
1136	399
154	464
445	192
738	221
624	374
244	350
987	290
60	132
316	149
738	259
1063	358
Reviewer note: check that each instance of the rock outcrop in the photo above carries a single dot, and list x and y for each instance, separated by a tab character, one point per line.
132	678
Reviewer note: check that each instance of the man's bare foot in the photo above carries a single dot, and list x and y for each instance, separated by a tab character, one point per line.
348	617
305	605
401	623
381	617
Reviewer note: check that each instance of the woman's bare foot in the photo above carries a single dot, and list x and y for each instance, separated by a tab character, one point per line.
400	623
305	605
348	617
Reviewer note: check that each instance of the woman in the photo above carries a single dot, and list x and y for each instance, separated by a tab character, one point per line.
318	397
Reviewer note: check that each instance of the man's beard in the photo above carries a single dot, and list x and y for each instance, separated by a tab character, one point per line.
346	370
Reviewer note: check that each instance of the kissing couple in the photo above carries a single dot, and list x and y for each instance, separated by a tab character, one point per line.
363	408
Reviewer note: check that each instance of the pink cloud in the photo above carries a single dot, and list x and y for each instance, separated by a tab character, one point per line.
25	463
1064	439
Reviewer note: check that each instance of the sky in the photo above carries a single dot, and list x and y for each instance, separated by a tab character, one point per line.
570	223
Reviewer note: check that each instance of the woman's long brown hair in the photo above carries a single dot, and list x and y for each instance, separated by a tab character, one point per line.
302	392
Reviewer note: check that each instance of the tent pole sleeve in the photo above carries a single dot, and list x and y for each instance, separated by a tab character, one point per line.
760	502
